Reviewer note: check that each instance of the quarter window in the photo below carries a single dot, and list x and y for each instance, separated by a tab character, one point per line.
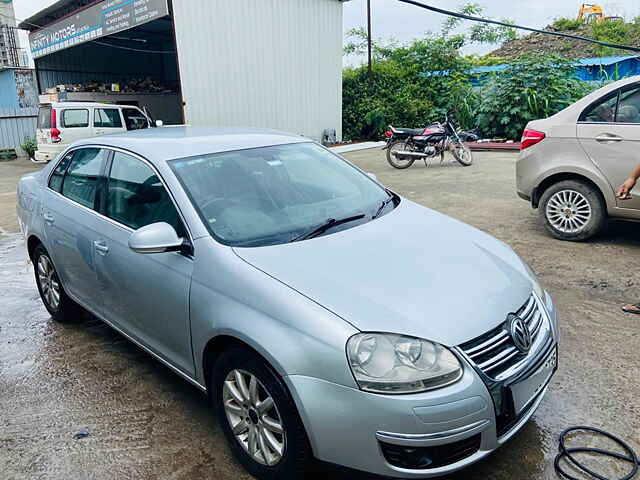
107	118
75	118
55	182
79	183
136	197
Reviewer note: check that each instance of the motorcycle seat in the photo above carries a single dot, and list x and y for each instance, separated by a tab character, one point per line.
408	131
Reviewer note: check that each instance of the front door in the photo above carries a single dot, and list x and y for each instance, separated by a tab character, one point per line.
70	222
609	132
145	295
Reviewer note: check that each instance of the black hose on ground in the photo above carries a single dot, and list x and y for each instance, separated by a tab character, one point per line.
566	453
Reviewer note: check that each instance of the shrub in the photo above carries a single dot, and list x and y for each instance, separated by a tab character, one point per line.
29	146
567	24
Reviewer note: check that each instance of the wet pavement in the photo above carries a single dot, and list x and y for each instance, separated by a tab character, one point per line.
144	422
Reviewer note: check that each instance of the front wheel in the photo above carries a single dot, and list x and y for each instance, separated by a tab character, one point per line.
259	418
572	210
402	162
462	153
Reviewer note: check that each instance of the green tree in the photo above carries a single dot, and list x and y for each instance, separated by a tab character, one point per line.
532	87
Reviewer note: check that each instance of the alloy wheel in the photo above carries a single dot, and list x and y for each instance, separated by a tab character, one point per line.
49	282
253	417
568	211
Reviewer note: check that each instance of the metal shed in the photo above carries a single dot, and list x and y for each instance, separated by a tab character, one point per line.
267	63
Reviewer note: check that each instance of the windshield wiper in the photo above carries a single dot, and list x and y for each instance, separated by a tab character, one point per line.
330	223
386	202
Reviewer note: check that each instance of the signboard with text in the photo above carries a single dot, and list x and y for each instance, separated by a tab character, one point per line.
105	18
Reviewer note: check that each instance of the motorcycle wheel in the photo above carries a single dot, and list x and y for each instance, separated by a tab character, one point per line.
462	154
397	146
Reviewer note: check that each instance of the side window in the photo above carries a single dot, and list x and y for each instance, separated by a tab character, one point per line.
79	184
55	181
75	118
603	111
136	197
107	118
134	119
629	106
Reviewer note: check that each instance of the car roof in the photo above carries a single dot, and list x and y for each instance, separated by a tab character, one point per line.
168	143
83	104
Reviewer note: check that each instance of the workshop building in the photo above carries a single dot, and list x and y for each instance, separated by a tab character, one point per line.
246	63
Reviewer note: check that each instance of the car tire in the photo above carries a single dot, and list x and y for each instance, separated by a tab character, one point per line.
61	308
296	458
573	210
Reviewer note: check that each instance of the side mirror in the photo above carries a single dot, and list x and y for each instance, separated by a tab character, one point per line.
372	175
159	123
155	238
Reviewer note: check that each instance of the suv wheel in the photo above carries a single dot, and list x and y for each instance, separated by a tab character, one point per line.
572	210
55	299
258	417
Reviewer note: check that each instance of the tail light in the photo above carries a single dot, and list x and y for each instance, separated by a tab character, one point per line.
530	138
388	134
55	133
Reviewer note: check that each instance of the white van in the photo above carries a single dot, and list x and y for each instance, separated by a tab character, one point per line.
62	123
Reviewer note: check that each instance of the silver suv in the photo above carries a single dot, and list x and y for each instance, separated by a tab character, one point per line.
282	280
571	163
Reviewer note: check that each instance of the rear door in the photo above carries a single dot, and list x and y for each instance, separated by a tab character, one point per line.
107	120
70	221
74	124
609	131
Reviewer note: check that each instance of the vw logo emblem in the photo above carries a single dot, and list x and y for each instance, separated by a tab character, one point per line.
520	333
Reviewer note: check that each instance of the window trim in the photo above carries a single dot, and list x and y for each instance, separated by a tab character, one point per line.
119	110
64	110
103	178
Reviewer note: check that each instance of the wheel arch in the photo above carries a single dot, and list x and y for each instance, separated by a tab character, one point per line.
32	242
554	178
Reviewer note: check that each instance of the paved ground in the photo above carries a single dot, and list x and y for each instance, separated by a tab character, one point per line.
146	423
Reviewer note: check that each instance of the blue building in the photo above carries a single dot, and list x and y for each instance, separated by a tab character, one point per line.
588	69
17	88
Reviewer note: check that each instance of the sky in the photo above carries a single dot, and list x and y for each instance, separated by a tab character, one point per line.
404	22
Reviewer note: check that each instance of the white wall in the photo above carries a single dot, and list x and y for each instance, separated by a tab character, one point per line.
261	63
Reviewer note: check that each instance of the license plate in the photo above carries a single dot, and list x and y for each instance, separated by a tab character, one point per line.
526	390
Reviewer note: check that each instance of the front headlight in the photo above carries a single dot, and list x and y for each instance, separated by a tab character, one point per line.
390	363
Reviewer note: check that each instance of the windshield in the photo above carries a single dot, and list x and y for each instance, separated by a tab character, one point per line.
272	195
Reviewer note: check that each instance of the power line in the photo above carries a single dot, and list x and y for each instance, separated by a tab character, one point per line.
520	27
170	52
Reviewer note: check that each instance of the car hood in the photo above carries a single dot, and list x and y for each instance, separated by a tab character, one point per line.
413	271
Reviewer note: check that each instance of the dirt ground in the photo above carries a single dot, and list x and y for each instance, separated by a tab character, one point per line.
146	423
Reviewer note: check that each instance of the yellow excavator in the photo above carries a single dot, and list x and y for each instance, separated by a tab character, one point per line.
591	13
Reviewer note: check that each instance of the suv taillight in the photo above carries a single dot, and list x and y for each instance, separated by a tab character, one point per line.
55	133
530	138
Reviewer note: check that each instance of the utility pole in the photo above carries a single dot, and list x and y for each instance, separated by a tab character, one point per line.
369	34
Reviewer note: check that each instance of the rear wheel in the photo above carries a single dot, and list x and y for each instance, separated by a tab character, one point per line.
55	299
394	149
572	210
258	417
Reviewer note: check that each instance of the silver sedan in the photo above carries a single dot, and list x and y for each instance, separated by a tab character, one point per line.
324	315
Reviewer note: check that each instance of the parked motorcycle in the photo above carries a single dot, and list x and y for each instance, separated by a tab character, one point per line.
406	145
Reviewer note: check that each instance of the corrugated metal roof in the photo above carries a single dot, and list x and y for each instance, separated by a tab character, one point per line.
587	62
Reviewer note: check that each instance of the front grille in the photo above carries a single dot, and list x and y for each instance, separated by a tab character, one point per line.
422	458
494	352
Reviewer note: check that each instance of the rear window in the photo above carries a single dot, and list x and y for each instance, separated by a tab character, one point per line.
44	117
75	118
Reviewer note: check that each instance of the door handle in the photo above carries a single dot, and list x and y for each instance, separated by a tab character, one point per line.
101	248
48	218
605	138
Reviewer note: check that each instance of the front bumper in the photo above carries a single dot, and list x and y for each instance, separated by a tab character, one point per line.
457	425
